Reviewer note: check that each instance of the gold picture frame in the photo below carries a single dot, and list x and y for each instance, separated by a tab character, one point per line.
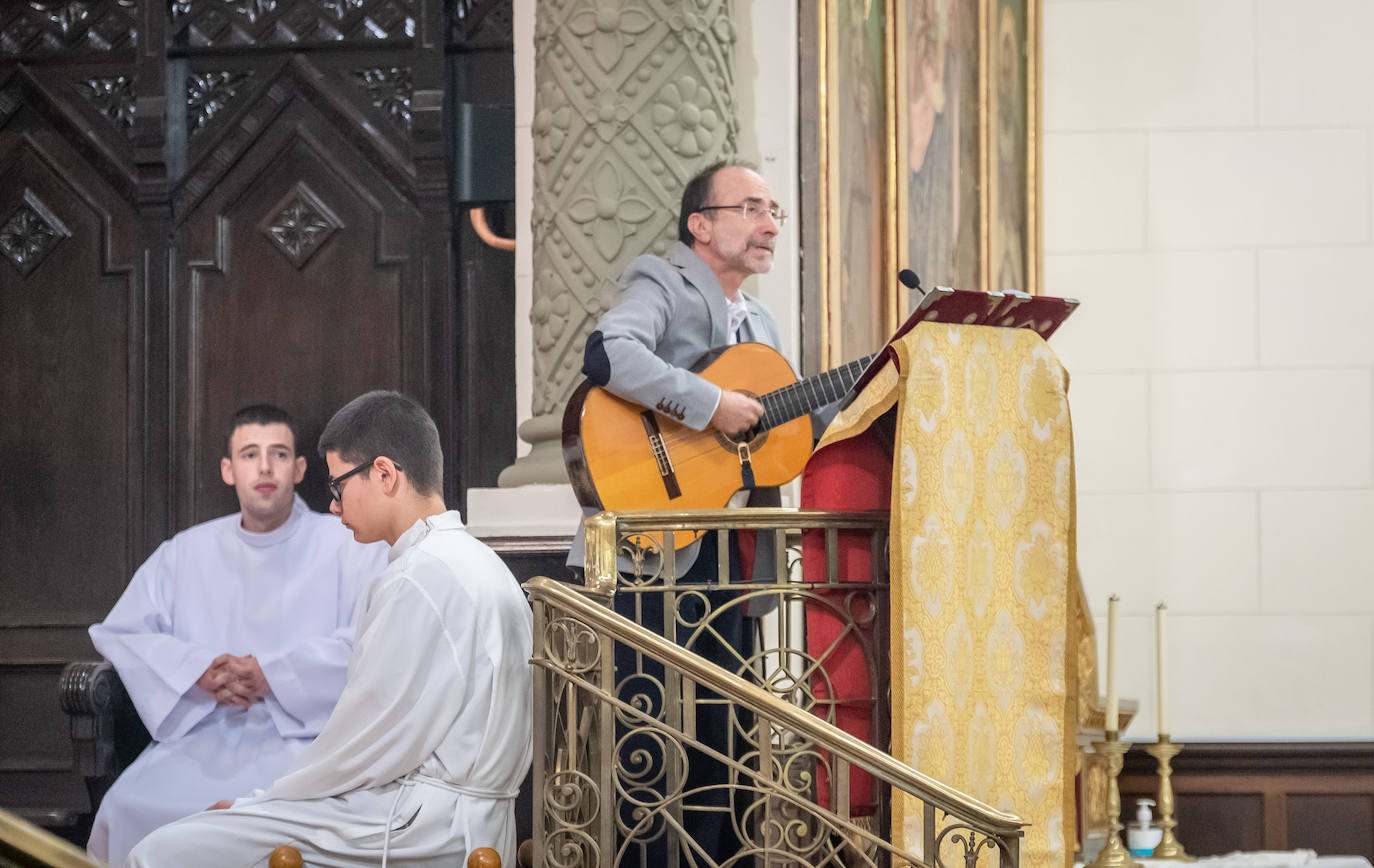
859	312
960	158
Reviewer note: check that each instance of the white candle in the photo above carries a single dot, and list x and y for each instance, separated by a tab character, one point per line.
1111	721
1161	668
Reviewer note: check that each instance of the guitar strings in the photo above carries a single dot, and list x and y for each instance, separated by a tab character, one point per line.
683	446
812	393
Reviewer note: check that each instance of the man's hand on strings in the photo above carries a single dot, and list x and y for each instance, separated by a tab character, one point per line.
736	412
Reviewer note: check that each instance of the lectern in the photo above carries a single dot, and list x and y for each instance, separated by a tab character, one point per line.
962	429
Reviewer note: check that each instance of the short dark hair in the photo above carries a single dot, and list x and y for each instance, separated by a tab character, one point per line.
388	423
697	194
261	414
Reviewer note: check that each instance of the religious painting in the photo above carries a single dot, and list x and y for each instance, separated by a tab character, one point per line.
859	308
1012	156
927	116
940	182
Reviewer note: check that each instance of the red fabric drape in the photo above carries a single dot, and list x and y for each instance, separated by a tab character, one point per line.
852	474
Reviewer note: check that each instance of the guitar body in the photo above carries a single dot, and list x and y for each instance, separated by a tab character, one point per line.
611	456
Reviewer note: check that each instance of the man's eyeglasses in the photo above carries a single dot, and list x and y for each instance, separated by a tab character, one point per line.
752	209
336	483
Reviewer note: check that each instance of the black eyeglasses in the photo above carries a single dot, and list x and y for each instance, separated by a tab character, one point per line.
752	209
336	483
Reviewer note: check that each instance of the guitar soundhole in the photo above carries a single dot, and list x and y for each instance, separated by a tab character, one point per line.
753	437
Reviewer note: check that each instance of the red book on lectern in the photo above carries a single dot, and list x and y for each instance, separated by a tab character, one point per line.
1009	309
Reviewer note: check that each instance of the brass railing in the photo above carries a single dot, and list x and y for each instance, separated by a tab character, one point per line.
638	737
24	845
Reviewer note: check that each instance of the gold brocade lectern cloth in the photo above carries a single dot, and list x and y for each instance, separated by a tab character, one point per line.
983	579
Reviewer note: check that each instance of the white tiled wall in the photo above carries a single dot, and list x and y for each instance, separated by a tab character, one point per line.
1208	195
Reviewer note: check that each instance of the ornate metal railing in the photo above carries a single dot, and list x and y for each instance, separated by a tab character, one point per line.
24	845
641	743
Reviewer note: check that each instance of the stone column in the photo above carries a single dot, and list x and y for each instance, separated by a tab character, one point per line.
632	97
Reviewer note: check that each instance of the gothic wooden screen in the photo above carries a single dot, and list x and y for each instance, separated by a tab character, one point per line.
203	204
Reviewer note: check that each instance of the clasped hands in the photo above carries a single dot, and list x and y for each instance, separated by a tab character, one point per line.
234	680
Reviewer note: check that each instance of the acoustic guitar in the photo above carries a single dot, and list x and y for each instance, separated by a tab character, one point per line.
623	456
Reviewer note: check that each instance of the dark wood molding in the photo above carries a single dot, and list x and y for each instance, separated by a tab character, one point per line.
1265	795
1260	758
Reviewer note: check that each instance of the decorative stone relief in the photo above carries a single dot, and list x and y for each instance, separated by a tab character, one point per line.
207	94
213	23
390	90
300	224
39	27
112	97
685	118
610	210
632	97
30	233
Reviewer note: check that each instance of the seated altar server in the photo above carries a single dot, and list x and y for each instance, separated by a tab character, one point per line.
424	754
232	640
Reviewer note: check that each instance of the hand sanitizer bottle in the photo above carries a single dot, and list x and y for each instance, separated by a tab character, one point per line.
1142	838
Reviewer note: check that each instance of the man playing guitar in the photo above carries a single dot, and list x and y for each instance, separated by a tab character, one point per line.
669	312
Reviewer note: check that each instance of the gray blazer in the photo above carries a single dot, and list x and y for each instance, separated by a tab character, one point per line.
669	312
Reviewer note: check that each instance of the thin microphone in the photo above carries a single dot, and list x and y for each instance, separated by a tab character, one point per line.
910	280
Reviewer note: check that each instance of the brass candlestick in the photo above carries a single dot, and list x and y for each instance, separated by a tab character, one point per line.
1113	854
1169	847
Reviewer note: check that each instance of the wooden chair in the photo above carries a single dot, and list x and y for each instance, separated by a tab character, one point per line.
106	732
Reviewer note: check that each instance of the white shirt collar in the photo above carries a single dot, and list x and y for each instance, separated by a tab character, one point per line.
736	312
449	520
280	534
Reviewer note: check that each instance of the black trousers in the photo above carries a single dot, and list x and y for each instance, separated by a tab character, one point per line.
708	815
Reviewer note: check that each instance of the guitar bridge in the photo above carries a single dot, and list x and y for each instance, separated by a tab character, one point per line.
665	464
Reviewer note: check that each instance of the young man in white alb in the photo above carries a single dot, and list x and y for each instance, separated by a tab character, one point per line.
423	756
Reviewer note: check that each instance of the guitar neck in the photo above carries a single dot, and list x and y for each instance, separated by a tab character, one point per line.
788	403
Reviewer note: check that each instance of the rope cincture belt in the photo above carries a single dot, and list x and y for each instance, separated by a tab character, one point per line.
414	778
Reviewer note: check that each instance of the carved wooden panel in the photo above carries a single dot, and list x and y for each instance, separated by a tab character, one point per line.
480	24
69	363
219	23
37	740
66	26
296	282
1218	823
1331	823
